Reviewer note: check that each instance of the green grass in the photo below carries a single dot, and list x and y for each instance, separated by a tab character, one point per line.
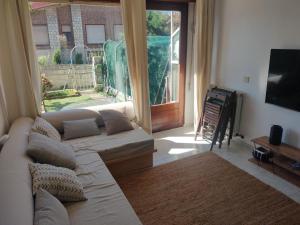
57	104
62	94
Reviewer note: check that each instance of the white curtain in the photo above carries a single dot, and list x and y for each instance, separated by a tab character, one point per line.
134	20
19	75
3	112
203	41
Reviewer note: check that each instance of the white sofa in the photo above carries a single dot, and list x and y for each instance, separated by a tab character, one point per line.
106	202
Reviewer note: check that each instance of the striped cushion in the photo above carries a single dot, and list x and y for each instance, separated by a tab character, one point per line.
60	182
43	127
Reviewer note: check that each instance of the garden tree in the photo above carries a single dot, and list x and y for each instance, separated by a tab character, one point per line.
158	23
78	58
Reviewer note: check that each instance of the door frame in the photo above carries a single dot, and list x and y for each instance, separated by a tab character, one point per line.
164	113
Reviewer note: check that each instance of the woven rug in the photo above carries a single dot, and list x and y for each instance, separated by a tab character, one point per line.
205	189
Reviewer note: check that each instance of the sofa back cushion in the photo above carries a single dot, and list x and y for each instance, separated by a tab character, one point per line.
49	210
16	188
115	122
46	150
57	118
80	128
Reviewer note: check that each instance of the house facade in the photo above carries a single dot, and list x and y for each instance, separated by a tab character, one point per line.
84	27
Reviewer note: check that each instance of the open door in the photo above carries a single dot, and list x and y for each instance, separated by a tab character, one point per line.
166	39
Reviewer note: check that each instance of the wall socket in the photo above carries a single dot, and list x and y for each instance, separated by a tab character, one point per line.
246	79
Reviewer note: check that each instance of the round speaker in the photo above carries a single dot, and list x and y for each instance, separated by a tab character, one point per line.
275	135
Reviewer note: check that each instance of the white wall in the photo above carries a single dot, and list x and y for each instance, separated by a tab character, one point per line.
248	29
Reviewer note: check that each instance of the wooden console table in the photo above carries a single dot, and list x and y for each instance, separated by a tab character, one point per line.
283	155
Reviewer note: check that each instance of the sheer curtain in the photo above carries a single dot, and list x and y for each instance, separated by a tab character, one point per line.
3	113
134	20
19	76
203	41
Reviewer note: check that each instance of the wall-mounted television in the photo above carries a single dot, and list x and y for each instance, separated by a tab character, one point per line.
283	88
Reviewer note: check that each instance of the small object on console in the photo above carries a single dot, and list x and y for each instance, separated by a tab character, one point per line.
261	154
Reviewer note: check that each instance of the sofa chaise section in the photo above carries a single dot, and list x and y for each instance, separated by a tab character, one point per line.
123	153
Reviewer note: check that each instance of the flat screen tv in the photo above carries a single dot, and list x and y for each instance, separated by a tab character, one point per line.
283	88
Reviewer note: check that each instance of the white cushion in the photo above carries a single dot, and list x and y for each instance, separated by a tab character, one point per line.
49	151
48	210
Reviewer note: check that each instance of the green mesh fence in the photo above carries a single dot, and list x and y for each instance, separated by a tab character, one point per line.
117	75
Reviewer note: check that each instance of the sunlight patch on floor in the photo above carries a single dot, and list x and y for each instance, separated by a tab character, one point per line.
184	140
178	151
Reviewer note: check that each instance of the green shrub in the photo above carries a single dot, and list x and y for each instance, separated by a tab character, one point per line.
99	88
57	57
62	94
78	58
43	60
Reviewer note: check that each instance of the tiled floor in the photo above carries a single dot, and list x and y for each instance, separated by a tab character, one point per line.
179	143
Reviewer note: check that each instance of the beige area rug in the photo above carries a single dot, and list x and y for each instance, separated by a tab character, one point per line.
206	189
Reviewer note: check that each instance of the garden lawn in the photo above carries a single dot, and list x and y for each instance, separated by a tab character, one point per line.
57	104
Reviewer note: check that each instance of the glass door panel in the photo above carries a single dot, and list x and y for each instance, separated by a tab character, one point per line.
166	42
163	38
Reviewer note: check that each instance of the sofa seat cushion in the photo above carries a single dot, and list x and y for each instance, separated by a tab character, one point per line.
111	147
106	202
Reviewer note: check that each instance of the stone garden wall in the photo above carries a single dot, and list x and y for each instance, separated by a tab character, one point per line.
79	77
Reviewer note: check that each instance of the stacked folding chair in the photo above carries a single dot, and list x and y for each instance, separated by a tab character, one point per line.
218	116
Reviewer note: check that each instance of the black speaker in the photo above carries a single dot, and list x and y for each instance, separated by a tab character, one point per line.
275	135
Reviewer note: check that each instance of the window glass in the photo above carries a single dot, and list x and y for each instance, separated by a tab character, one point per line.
163	39
40	34
85	63
95	34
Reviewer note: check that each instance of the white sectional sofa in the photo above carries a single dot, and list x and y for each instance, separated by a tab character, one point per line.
106	202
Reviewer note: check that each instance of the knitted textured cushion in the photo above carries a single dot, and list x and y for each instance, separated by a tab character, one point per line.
58	181
44	127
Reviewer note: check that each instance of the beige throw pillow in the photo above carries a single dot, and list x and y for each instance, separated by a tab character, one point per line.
115	122
46	150
44	127
60	182
80	128
48	210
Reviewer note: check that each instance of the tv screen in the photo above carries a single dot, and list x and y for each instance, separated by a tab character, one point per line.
283	88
